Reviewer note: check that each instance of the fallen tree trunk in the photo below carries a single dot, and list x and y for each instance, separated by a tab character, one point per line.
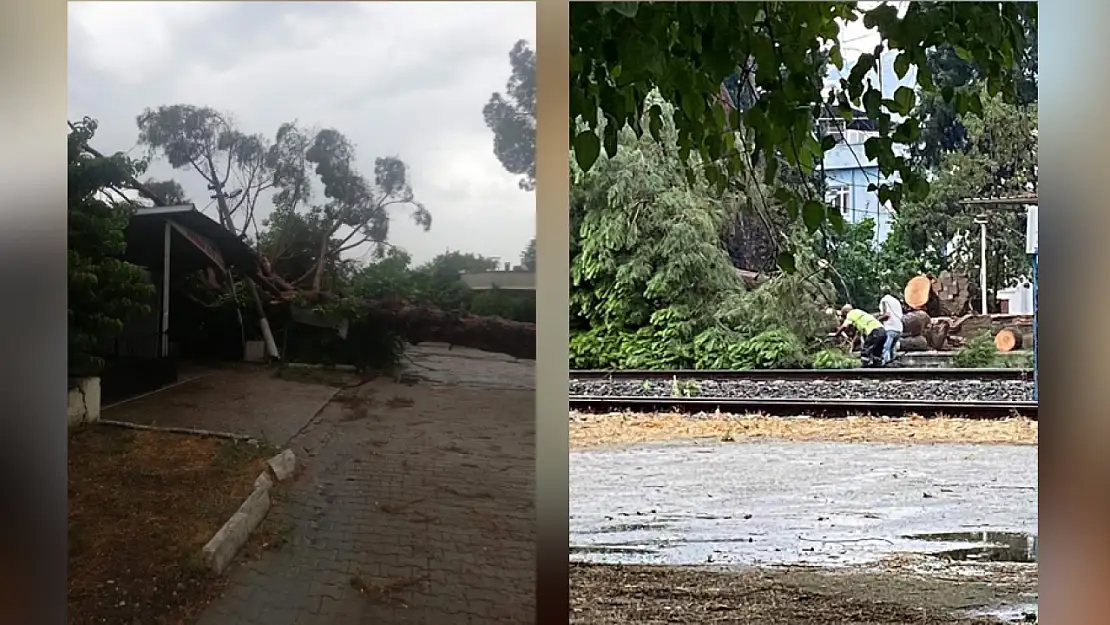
914	322
424	324
953	293
945	295
913	344
971	325
936	334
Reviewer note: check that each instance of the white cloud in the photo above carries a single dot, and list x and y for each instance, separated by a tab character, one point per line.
404	79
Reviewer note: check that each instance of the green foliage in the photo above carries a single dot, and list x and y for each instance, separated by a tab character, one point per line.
980	351
855	267
648	251
437	283
528	256
937	233
620	52
652	285
515	305
512	117
772	349
104	291
832	358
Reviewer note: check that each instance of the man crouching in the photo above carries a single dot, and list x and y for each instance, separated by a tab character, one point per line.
870	329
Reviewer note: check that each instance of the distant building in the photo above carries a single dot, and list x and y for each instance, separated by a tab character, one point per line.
848	172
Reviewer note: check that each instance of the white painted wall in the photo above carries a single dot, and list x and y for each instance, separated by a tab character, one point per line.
84	402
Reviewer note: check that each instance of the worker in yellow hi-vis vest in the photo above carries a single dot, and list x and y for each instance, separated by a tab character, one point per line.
869	329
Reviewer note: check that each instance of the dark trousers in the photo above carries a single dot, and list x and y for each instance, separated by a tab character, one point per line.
872	350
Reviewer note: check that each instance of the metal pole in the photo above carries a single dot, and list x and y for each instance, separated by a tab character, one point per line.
982	221
1035	379
165	342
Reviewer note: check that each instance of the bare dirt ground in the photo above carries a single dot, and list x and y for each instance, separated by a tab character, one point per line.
592	430
614	594
141	506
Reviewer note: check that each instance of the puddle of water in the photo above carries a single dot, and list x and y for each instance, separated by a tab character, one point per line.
611	550
827	504
1022	613
984	546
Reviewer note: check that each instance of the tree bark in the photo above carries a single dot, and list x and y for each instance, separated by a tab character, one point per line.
953	293
913	344
936	334
424	324
914	322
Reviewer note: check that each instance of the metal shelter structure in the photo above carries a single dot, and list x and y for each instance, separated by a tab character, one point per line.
170	243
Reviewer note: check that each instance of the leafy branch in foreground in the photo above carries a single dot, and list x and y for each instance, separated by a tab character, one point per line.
622	51
104	291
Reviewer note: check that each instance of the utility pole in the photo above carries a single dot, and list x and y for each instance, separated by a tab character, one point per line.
225	216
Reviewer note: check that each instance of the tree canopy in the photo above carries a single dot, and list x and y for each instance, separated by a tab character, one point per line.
620	52
322	205
512	117
104	291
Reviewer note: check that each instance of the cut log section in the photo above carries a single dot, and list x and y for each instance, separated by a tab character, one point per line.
918	292
914	322
1007	340
953	293
913	344
943	296
936	334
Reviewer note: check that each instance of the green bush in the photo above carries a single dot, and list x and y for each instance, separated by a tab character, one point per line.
979	352
772	349
833	358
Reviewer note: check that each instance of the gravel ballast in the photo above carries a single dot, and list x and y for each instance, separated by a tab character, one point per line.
903	390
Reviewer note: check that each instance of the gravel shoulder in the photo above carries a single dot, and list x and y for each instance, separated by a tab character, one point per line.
612	594
905	390
594	430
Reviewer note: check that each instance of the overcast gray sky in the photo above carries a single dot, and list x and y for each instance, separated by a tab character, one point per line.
398	79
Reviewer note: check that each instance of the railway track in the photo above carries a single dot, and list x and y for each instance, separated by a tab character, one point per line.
968	393
893	373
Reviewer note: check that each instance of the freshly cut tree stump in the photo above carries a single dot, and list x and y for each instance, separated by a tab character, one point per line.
918	292
1007	340
914	322
913	344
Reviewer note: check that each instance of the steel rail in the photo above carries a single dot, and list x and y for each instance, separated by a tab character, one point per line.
893	373
799	407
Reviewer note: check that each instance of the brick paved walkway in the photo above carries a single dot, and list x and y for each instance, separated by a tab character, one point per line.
415	505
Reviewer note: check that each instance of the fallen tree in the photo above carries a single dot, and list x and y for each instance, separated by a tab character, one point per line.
426	324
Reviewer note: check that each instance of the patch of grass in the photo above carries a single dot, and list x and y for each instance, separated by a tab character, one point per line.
142	504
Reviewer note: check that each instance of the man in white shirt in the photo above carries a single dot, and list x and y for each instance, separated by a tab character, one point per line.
890	313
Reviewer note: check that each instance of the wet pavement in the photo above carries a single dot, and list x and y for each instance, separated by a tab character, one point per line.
735	504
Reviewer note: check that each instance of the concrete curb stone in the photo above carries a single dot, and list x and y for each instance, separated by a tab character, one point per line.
220	550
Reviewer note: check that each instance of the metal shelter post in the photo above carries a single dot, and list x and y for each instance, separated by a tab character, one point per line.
165	334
